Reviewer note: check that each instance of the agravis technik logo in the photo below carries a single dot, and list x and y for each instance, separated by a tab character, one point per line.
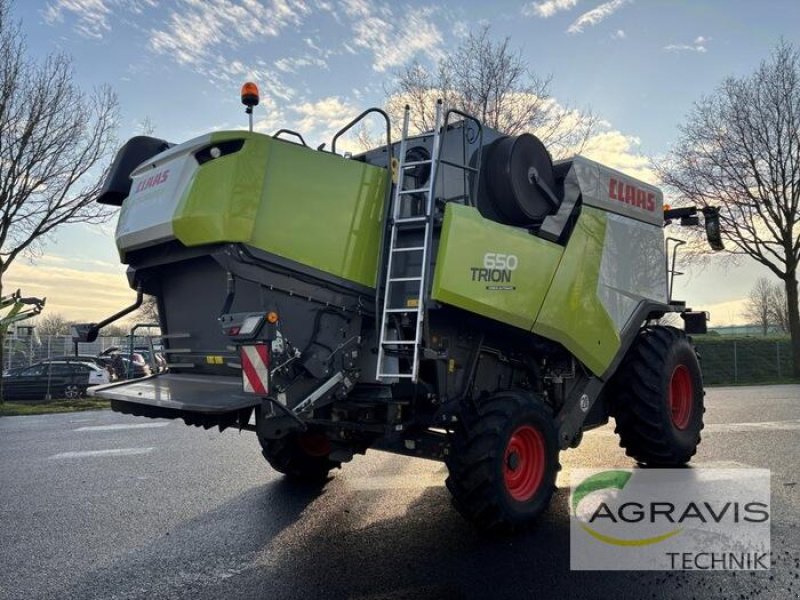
670	519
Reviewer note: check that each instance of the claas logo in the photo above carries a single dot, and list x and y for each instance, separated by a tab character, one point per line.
152	181
630	194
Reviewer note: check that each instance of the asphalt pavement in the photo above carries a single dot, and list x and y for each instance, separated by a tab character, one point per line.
102	505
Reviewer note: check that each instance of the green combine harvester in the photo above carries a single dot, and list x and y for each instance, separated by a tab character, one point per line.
455	296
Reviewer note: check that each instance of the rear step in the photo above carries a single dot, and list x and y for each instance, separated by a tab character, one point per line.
238	418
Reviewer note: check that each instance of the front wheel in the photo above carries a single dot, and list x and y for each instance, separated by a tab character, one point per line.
657	398
503	462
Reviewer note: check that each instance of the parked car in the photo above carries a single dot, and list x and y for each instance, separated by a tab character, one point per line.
155	360
58	378
135	369
103	362
121	364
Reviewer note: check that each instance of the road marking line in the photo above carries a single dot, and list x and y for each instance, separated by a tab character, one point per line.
757	426
790	425
110	452
121	426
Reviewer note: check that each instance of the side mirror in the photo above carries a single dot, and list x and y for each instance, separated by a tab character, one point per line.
84	332
713	230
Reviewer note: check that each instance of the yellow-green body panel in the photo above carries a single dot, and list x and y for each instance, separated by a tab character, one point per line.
572	313
514	296
332	215
553	291
222	199
315	208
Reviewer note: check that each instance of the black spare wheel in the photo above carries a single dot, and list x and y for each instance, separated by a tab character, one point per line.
513	164
420	173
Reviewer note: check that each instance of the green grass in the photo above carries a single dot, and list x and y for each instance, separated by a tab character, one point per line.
14	409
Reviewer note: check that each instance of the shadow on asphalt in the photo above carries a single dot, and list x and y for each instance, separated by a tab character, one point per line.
430	552
203	550
266	544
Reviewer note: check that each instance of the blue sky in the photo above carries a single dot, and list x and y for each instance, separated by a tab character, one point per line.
638	64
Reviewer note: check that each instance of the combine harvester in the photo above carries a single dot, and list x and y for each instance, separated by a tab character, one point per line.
454	296
19	309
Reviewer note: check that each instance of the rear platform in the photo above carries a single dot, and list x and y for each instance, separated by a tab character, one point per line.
198	393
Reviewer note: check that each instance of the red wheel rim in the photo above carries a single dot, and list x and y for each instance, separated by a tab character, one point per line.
523	463
314	444
681	396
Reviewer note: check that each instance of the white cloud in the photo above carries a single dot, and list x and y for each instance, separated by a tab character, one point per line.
596	15
208	35
547	8
92	17
700	45
292	64
392	37
620	151
731	312
684	48
67	286
619	34
196	30
319	119
327	114
460	29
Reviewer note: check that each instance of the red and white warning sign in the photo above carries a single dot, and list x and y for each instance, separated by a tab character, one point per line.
255	369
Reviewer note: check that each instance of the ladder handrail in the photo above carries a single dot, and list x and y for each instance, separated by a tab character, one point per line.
439	130
393	338
277	135
397	220
349	126
467	117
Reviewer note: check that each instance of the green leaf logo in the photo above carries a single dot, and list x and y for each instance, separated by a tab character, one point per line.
611	480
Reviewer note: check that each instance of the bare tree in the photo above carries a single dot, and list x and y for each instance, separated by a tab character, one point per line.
51	324
779	308
740	149
53	140
146	126
758	308
149	309
491	81
116	330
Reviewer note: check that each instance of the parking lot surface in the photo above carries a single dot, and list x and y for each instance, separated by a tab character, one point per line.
102	505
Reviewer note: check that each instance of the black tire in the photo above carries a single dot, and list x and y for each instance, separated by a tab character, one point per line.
488	489
296	456
657	398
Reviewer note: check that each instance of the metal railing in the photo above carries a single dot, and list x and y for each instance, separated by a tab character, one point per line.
23	351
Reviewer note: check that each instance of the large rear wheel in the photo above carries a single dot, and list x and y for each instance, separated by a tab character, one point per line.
300	456
503	462
657	398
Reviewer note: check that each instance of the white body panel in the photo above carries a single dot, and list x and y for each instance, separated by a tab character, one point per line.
616	192
632	268
156	190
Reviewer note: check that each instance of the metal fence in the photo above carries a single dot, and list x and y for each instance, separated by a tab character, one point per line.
744	360
725	360
22	351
